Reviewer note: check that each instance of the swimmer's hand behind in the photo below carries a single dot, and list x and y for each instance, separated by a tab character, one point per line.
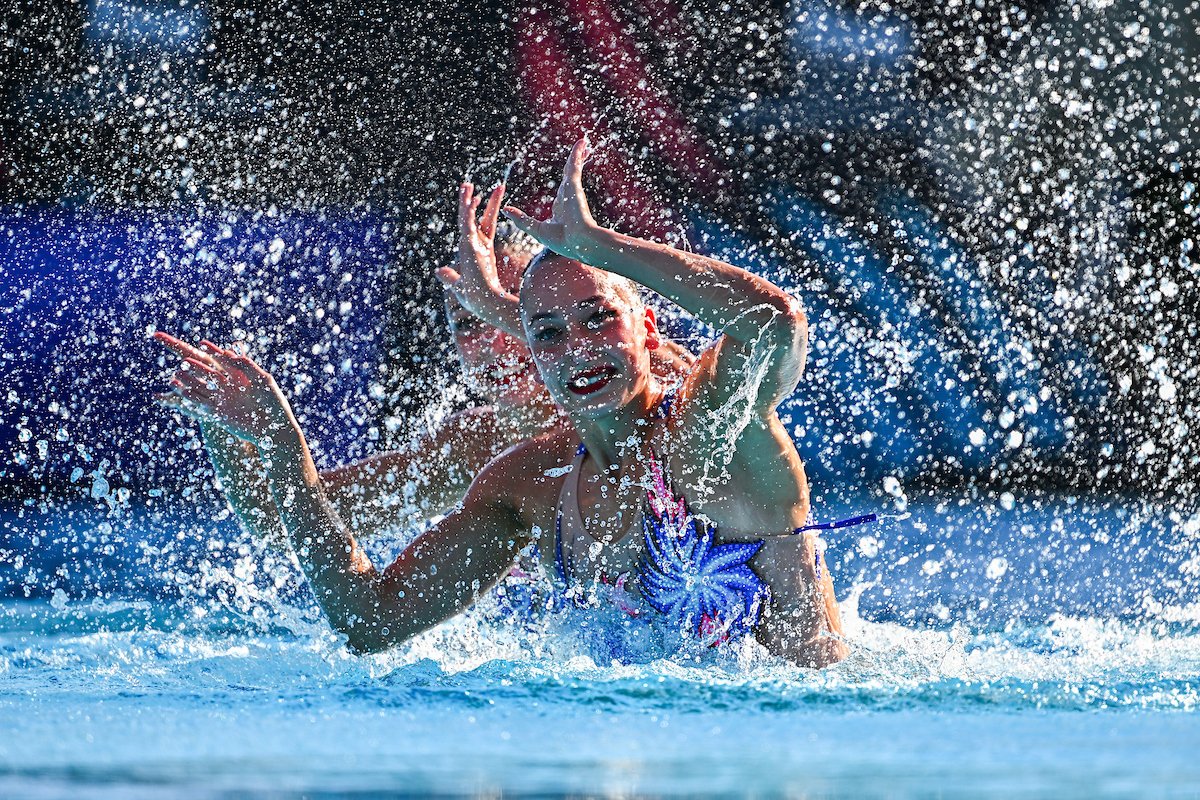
569	231
229	389
474	279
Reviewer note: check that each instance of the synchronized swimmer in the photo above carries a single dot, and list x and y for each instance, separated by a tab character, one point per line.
681	501
408	487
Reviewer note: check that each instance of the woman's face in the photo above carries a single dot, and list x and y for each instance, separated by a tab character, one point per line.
589	338
494	364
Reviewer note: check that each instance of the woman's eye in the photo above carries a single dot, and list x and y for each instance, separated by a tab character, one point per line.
545	334
466	325
600	317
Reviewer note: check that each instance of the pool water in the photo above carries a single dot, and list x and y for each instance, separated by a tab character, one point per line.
199	671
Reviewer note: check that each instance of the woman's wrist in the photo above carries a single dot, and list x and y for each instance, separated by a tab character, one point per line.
281	439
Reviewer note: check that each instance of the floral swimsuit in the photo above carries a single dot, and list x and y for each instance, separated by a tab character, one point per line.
698	586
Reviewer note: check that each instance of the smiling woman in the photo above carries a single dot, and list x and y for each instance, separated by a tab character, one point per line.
600	320
988	210
758	574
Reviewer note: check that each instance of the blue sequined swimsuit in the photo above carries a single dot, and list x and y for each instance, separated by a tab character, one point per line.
697	585
694	583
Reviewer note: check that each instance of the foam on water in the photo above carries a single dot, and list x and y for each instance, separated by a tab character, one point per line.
141	697
1067	662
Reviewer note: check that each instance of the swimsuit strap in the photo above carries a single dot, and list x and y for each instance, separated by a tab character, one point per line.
829	526
664	406
568	502
841	523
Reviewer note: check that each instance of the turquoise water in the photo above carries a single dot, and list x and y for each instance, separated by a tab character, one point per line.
230	683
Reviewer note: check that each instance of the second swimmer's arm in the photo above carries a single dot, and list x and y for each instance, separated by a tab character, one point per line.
430	476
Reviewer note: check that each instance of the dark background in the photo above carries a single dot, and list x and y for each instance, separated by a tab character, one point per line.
988	209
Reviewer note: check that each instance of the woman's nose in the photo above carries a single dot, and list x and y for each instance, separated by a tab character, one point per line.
579	342
496	344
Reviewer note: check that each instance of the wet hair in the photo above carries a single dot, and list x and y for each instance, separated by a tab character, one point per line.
512	239
541	255
627	290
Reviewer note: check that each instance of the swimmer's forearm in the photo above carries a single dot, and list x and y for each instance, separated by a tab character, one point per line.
374	611
440	574
498	308
434	578
342	577
240	473
729	298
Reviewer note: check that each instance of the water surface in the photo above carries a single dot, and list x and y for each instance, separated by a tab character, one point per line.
234	684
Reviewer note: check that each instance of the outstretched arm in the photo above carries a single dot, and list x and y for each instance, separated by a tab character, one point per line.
239	469
440	574
751	312
429	475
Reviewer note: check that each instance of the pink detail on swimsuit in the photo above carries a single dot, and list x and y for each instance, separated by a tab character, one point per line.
669	510
710	627
622	597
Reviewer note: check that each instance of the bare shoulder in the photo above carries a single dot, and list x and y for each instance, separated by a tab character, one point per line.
737	458
538	460
528	476
477	424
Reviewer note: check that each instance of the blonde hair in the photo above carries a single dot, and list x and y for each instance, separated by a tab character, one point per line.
628	291
512	239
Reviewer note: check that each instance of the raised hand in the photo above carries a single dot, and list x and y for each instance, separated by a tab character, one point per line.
476	283
173	400
569	229
227	388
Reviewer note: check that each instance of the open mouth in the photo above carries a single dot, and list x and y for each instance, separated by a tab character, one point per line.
591	380
509	374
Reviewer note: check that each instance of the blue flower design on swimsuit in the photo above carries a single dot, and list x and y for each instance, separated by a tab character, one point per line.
700	586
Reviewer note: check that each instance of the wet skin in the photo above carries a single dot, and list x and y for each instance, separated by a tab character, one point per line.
594	356
495	364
